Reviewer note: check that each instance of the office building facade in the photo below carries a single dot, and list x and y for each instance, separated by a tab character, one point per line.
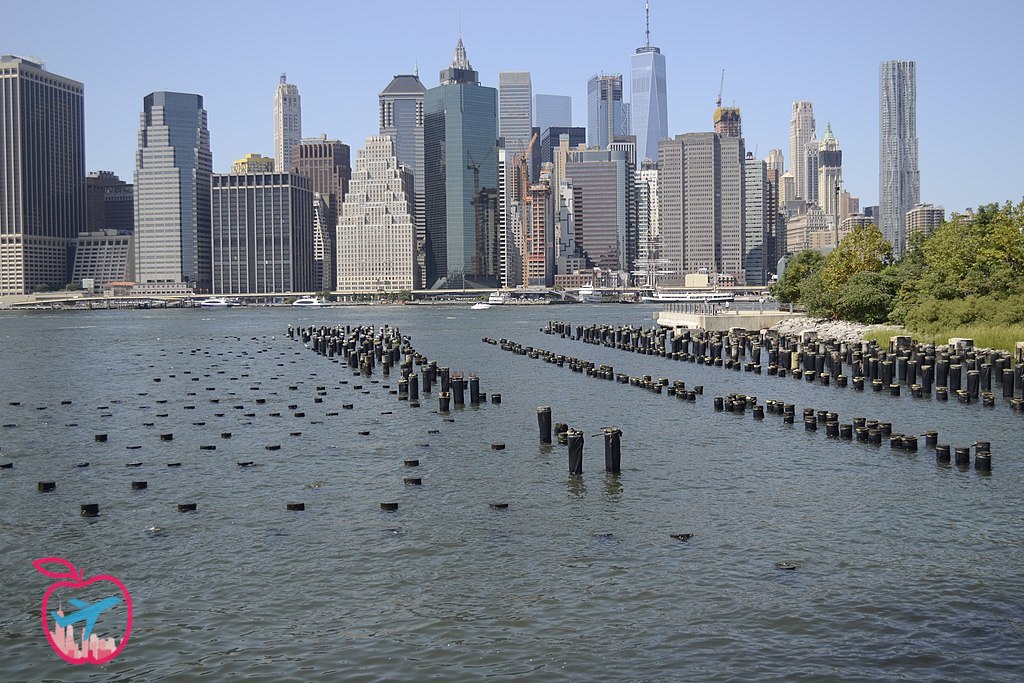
109	203
830	174
899	178
461	178
401	118
173	165
607	114
648	98
253	163
603	219
552	111
327	163
42	175
376	233
262	228
801	131
515	114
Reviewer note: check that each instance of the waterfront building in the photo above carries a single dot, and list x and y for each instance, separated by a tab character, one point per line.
376	230
461	179
103	256
924	218
327	164
173	165
607	115
801	131
899	178
42	175
253	163
287	122
648	96
262	233
552	111
109	203
401	118
702	210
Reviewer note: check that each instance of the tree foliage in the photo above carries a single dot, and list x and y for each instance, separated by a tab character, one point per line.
798	268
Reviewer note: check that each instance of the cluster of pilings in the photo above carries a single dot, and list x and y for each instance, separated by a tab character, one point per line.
364	348
922	370
658	385
863	430
574	439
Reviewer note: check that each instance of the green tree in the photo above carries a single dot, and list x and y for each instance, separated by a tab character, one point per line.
867	297
798	268
864	249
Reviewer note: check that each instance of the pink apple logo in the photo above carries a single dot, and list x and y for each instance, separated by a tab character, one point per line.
91	648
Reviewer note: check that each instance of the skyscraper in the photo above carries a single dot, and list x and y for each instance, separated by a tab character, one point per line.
262	226
109	203
801	131
607	115
899	179
603	217
648	97
42	174
552	111
287	123
327	163
461	178
702	210
376	235
830	174
727	121
757	223
515	120
172	192
401	118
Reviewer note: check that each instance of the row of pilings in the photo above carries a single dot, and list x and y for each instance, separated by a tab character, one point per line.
861	429
658	385
923	370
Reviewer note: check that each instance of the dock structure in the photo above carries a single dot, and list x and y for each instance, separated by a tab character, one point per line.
716	318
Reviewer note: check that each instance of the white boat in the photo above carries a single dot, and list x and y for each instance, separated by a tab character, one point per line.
496	299
309	302
690	296
479	306
219	302
588	295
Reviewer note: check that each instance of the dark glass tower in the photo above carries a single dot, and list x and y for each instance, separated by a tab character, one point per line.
460	169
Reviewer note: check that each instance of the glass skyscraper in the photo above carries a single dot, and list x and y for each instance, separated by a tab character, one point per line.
899	178
607	114
42	174
461	172
515	113
648	99
552	111
173	165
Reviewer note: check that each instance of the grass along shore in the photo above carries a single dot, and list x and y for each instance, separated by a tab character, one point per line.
1000	337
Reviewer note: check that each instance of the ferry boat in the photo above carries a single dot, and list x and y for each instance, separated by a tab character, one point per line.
219	302
309	302
588	295
496	299
691	296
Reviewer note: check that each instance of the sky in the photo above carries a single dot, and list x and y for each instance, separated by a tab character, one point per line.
341	54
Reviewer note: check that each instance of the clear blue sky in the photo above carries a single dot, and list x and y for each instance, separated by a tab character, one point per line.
341	54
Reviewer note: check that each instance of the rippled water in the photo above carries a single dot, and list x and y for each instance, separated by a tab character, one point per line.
905	569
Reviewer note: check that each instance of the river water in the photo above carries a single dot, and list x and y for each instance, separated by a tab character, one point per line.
905	569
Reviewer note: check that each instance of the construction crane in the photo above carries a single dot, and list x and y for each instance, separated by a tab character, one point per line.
721	84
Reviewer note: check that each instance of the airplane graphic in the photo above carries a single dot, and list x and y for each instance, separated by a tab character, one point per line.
85	612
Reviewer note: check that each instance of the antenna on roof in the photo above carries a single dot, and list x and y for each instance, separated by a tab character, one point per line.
647	12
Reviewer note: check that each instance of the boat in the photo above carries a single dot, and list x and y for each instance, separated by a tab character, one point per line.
309	302
479	306
219	302
690	296
588	295
496	299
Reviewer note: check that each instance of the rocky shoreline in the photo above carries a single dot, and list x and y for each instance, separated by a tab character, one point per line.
840	330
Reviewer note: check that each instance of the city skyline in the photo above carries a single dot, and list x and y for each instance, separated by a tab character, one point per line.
341	100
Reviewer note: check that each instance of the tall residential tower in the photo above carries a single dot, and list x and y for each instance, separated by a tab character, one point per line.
899	179
648	97
42	175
